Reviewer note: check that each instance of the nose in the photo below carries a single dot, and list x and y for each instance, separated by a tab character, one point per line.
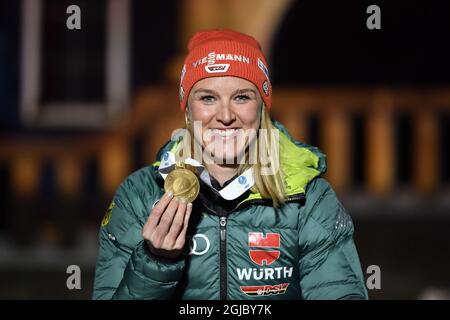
225	114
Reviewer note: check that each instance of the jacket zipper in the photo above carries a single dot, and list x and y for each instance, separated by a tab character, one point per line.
296	197
223	258
223	244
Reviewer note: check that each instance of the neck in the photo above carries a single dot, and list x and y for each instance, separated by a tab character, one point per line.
222	172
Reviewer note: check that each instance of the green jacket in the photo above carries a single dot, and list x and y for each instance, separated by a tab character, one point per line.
303	250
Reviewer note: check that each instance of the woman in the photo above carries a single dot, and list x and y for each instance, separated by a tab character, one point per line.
264	224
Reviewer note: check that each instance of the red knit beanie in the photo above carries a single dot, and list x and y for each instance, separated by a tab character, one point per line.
224	52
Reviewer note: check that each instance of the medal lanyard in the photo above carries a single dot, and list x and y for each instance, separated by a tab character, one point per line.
232	191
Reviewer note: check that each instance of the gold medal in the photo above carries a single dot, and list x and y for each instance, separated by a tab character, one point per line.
183	182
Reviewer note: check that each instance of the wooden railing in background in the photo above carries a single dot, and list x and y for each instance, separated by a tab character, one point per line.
25	155
333	108
155	114
378	106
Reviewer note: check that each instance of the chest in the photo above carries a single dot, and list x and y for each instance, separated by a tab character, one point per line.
252	253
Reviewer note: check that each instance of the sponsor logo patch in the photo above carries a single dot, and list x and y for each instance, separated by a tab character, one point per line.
265	87
264	250
263	68
261	257
264	273
199	244
212	57
217	68
265	290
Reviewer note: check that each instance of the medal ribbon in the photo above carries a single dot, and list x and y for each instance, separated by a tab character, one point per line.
232	191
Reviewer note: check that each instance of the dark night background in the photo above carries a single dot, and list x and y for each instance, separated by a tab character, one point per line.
318	44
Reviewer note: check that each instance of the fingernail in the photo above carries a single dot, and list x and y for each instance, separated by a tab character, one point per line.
170	194
182	200
189	205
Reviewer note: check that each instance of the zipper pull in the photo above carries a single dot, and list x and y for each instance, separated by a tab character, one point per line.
223	225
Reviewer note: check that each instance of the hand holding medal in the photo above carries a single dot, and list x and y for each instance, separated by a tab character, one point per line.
165	230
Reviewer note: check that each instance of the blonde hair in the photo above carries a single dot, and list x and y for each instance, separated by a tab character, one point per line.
267	185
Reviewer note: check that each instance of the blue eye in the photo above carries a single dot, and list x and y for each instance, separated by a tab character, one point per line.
242	98
208	99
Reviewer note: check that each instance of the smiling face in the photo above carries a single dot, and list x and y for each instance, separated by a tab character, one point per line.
227	108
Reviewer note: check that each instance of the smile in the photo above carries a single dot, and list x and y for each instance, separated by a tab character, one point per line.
225	133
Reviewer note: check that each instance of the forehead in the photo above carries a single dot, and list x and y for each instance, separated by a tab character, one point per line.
223	84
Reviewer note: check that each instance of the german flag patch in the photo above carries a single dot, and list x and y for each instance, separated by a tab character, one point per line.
265	290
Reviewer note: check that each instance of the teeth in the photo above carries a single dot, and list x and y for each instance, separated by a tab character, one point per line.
224	133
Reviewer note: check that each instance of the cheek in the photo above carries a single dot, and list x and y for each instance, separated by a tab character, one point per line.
202	113
250	117
202	116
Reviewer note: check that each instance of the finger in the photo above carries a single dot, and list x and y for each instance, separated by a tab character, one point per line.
159	209
152	223
177	224
182	236
166	219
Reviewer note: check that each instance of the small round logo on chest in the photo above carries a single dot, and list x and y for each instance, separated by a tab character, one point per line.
199	244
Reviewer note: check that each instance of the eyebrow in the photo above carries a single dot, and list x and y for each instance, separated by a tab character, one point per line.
238	91
242	91
201	90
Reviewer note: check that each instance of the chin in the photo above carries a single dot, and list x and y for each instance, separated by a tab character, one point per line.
227	157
